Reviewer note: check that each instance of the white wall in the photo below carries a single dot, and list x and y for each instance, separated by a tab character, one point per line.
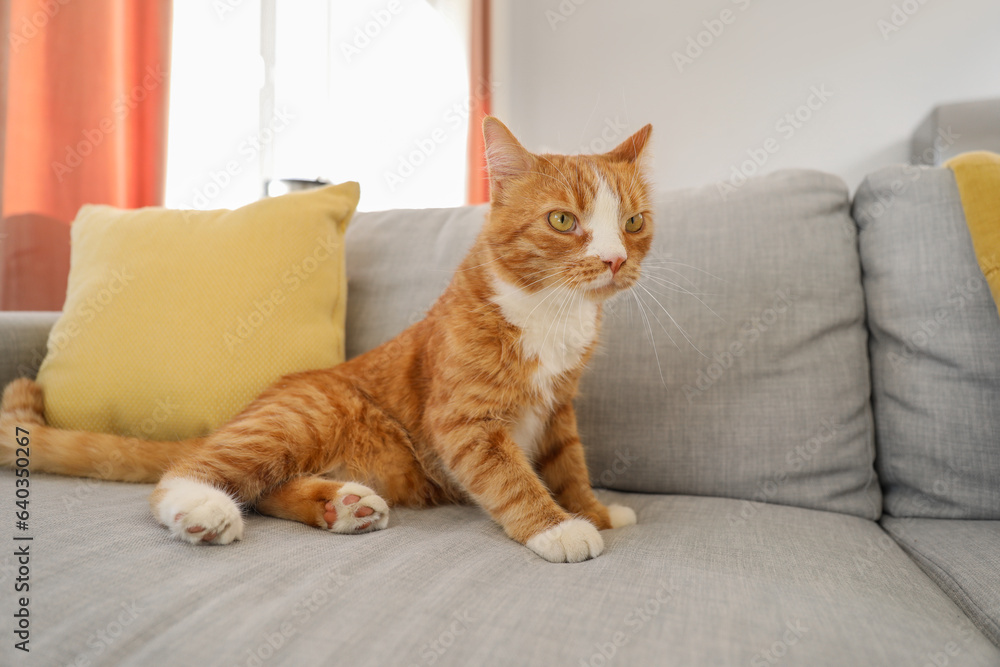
568	70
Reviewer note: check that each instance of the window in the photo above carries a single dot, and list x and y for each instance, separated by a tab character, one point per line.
370	90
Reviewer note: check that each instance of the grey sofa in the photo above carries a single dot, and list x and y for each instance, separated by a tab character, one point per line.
802	404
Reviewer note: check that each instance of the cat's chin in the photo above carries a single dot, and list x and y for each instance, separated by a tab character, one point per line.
604	291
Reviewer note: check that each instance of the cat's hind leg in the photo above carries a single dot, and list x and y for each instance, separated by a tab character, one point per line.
270	455
340	507
198	512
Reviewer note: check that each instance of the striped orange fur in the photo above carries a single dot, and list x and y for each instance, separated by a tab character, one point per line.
473	403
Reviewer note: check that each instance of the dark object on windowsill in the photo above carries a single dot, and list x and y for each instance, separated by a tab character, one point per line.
283	186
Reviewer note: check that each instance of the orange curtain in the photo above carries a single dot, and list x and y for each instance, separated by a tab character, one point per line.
480	85
85	122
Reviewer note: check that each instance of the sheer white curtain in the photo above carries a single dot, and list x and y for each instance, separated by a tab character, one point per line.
374	91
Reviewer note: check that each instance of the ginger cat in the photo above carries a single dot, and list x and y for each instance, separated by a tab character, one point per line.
473	403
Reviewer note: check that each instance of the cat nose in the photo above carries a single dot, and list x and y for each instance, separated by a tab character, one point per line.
615	263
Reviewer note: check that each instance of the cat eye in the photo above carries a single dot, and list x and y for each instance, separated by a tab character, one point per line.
634	224
562	221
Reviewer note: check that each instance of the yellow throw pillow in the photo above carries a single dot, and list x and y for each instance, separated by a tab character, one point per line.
978	177
175	320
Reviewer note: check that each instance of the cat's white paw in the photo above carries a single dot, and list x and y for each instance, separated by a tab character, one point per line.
356	509
199	513
572	541
621	516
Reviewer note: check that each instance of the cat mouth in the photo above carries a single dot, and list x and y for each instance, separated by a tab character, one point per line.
606	286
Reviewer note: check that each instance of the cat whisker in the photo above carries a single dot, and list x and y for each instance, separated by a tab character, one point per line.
671	285
577	298
577	302
546	269
477	266
566	297
547	276
589	118
665	260
553	274
541	173
666	269
678	288
679	327
652	340
565	178
548	296
642	306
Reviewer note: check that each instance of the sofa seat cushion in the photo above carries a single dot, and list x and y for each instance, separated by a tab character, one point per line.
699	581
963	557
744	371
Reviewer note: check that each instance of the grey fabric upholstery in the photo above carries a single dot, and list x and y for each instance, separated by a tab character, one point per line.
744	371
935	348
688	585
962	557
756	384
23	338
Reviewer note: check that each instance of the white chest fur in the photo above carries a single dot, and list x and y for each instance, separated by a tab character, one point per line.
529	428
557	326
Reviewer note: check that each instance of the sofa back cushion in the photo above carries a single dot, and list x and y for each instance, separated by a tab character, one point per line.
738	368
398	263
935	348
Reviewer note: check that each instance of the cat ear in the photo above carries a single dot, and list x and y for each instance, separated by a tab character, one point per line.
631	149
505	156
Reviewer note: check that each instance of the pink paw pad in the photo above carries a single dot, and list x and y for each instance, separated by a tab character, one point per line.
330	513
355	509
194	530
362	511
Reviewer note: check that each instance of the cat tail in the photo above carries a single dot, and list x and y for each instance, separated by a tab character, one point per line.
77	453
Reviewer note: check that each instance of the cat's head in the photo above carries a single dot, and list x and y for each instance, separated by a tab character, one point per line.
583	222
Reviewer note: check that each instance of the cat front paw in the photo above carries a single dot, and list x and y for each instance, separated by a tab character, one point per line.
571	541
621	516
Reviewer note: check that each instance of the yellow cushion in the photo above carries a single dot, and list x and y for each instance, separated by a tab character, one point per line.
176	320
977	175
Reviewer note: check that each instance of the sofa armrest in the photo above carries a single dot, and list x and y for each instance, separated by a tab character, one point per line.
23	339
